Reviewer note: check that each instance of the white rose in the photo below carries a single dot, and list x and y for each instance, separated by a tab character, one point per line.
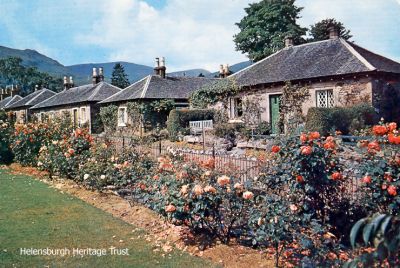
103	177
86	176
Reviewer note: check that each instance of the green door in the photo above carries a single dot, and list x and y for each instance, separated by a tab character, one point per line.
274	101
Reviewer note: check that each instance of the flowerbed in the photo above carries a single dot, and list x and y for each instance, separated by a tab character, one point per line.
298	206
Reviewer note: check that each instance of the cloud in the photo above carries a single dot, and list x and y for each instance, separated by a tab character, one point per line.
190	34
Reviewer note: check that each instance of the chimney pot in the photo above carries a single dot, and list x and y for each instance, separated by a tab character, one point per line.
162	62
221	69
333	32
157	62
94	77
71	81
288	41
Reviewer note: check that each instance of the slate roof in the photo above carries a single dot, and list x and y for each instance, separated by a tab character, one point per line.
156	87
9	101
312	60
85	93
32	99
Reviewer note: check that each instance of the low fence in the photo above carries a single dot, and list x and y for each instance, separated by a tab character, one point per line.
245	168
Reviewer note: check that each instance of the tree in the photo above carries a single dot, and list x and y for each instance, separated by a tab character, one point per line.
264	28
119	78
320	30
13	72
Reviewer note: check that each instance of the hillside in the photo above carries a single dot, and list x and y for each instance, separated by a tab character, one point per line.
82	72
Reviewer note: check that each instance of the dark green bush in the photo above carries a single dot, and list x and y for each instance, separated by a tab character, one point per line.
345	119
178	120
318	119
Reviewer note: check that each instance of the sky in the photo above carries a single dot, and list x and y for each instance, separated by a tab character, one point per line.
189	33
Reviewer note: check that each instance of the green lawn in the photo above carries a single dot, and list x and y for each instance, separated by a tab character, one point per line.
32	215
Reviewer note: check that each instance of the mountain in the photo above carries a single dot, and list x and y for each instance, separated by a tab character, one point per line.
234	68
32	58
82	72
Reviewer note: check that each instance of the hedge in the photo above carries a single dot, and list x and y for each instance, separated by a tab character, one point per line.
178	120
344	119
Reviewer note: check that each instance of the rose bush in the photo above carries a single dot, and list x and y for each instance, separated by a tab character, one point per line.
6	155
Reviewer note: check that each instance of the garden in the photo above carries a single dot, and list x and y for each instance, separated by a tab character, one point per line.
316	201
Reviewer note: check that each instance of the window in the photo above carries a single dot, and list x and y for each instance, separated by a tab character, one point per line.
82	116
236	108
75	118
325	98
122	116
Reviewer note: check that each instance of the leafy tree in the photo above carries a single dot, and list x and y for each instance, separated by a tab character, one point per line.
267	23
320	30
119	78
13	72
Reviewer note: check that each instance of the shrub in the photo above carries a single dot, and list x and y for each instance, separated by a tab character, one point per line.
109	117
6	155
178	120
229	131
345	119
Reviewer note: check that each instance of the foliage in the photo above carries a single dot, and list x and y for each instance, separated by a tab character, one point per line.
230	131
380	169
109	117
178	120
252	111
6	155
265	25
386	98
344	119
383	233
301	192
63	155
119	78
12	71
320	30
219	91
290	109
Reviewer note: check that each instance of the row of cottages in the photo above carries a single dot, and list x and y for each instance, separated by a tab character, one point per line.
154	88
79	103
8	97
21	108
335	71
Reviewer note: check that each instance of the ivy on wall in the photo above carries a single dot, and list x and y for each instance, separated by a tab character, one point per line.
109	117
212	93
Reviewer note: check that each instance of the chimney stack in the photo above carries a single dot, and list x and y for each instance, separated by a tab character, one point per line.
160	68
68	83
333	32
224	70
95	77
101	75
288	41
36	87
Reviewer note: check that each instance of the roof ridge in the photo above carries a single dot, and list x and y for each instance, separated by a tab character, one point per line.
12	98
127	88
34	98
34	106
97	89
146	86
357	55
256	63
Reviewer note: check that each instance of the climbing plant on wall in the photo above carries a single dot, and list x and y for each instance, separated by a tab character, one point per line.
109	117
221	91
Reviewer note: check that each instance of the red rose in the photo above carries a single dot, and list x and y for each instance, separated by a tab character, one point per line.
379	130
314	135
330	145
299	179
336	176
303	138
366	179
374	146
275	149
306	150
392	190
394	139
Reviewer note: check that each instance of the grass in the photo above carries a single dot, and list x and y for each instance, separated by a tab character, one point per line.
32	215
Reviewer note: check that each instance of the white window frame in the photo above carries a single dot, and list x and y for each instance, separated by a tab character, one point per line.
233	109
122	121
328	97
82	116
75	124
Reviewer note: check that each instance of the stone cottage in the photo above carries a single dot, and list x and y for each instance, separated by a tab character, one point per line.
337	73
7	101
153	88
21	108
80	103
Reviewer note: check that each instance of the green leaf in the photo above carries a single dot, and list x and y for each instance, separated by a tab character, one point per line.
376	221
385	224
354	231
367	232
